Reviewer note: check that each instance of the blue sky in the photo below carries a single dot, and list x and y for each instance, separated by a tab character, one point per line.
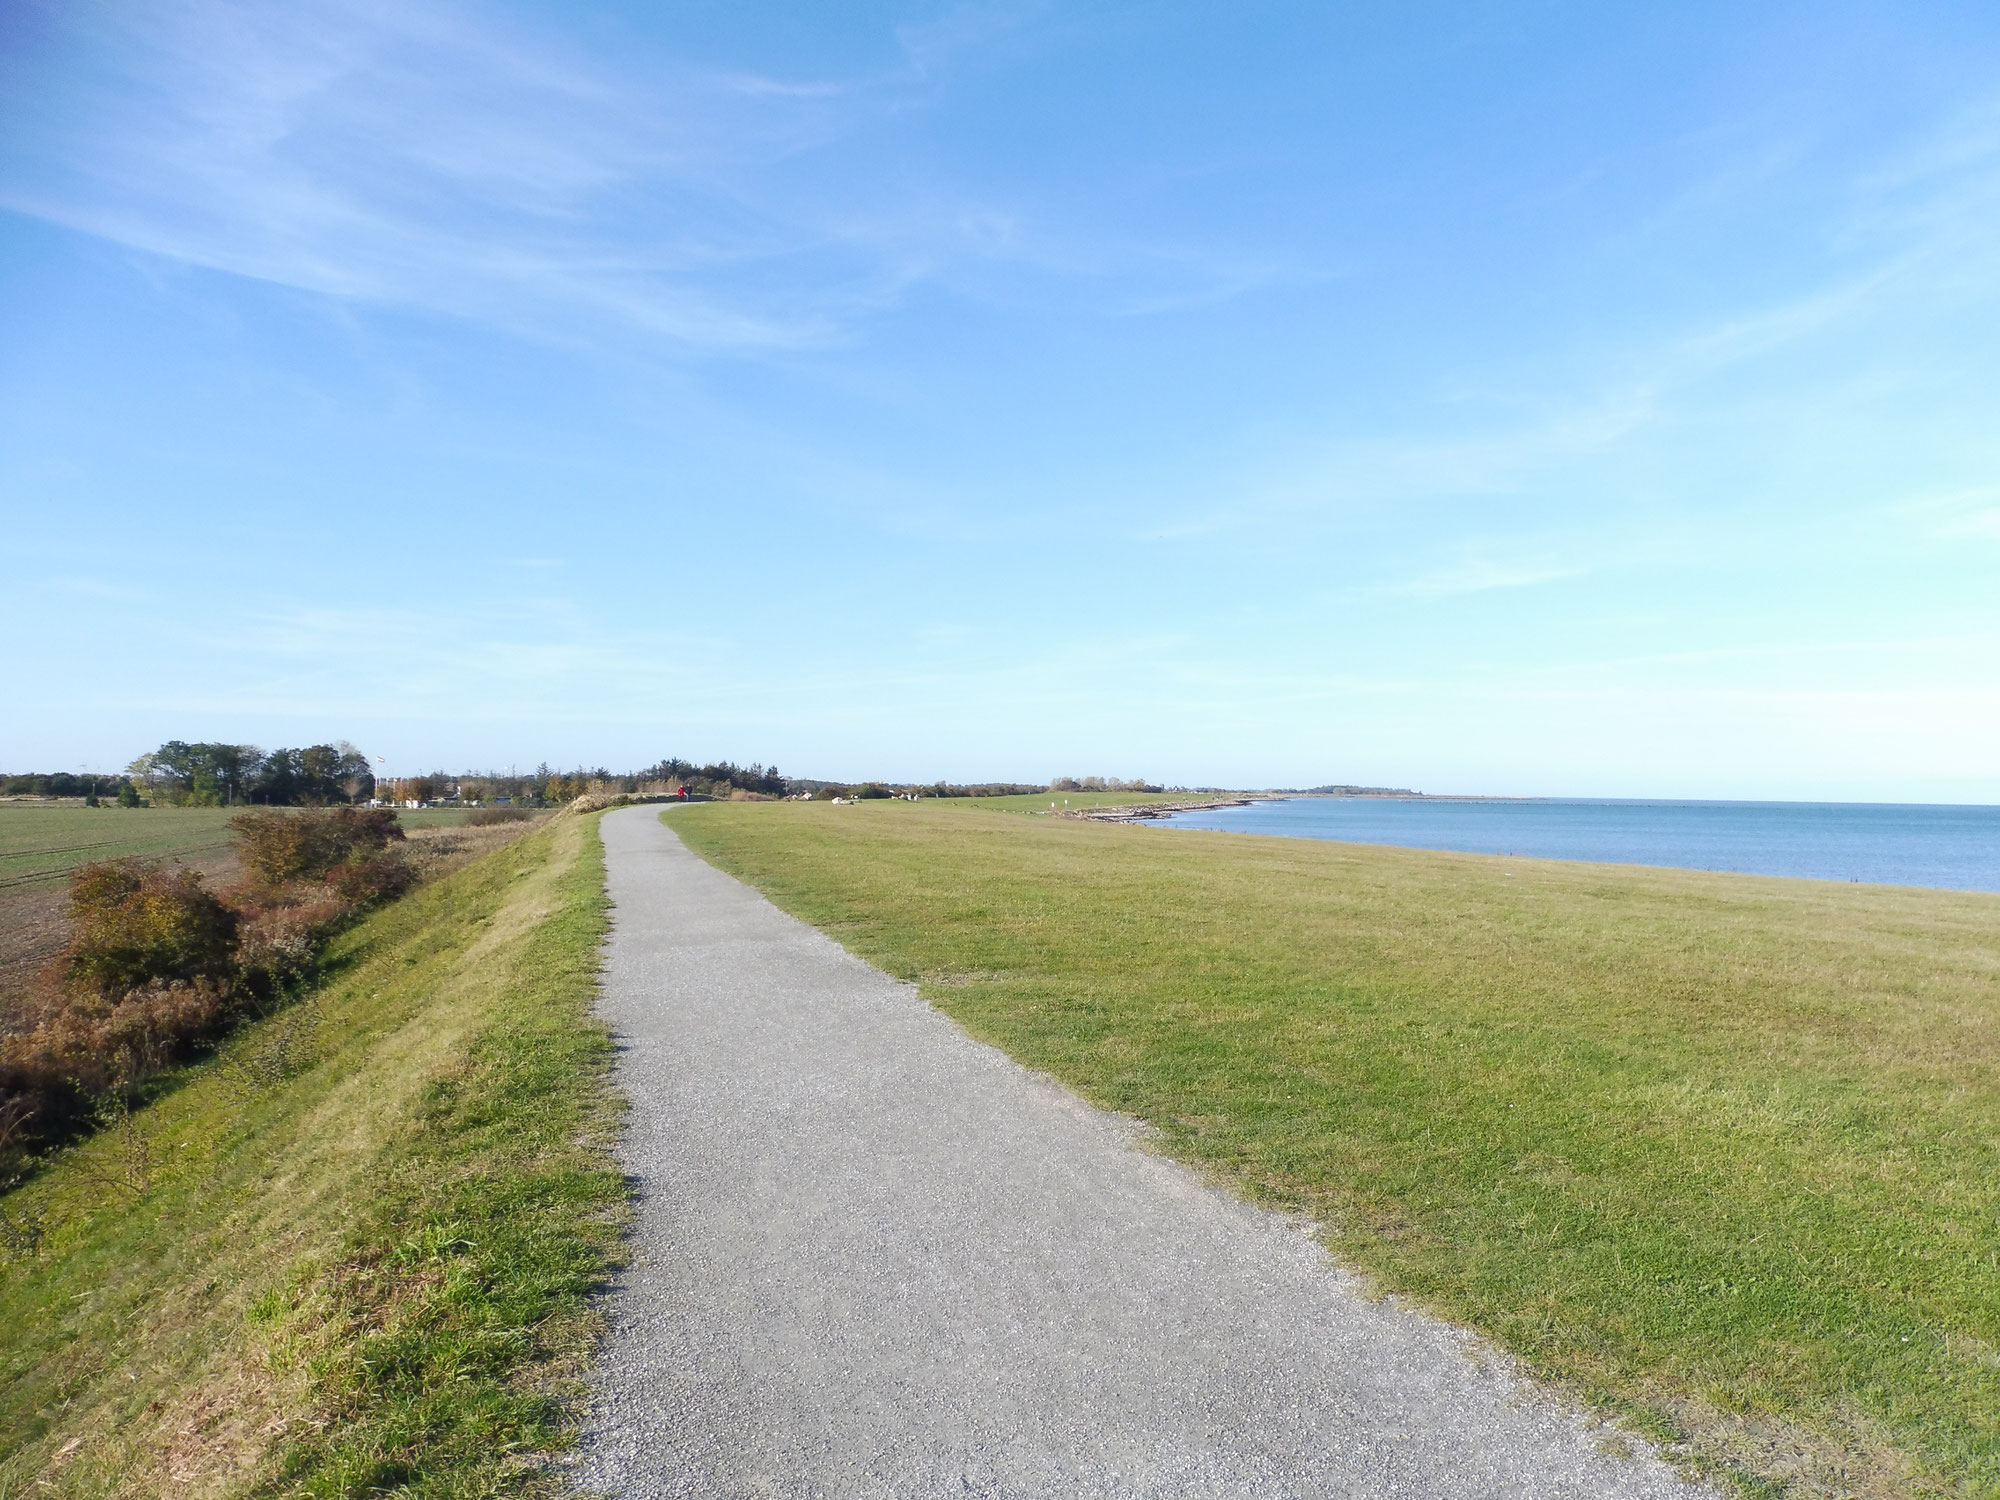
1534	398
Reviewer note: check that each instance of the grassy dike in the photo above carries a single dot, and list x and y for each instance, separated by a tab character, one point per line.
1718	1153
352	1255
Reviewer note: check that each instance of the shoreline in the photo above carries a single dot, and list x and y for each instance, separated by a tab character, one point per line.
1144	812
1928	847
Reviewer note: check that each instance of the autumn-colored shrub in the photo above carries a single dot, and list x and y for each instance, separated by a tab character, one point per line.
134	923
483	817
278	945
158	965
91	1047
380	877
282	847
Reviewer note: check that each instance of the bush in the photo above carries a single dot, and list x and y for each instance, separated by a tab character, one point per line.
157	964
54	1079
151	967
135	923
278	945
281	847
382	876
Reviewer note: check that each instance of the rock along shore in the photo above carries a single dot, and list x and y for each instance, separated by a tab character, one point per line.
1140	812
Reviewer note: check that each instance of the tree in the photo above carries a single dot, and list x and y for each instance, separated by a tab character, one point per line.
206	773
317	776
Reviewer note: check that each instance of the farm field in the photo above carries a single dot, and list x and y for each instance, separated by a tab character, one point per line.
41	844
1715	1152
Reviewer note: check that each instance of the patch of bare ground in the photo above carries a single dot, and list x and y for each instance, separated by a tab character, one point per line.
1854	1457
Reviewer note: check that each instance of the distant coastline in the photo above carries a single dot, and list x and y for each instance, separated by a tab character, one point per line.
1945	846
1388	794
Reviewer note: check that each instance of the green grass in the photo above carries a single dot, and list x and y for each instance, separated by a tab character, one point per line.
41	845
1718	1153
352	1255
1038	802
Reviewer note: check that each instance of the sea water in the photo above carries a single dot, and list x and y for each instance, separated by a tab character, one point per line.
1877	843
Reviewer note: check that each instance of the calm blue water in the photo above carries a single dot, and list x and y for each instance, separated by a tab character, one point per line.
1878	843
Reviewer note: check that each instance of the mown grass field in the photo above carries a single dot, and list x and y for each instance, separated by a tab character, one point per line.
1719	1153
1044	802
353	1253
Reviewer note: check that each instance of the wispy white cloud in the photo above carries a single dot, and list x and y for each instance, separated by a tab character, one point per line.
413	154
1477	576
425	155
932	46
1357	475
1984	523
1913	237
96	588
1973	511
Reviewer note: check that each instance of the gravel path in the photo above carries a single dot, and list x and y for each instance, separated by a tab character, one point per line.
876	1258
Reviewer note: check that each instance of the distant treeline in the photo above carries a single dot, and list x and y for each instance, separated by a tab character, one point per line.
59	784
825	791
985	789
211	773
547	786
720	778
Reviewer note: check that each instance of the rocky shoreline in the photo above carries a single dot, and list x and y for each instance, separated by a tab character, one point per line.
1141	812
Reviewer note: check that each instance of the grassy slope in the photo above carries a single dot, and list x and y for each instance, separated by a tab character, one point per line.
354	1251
1718	1151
